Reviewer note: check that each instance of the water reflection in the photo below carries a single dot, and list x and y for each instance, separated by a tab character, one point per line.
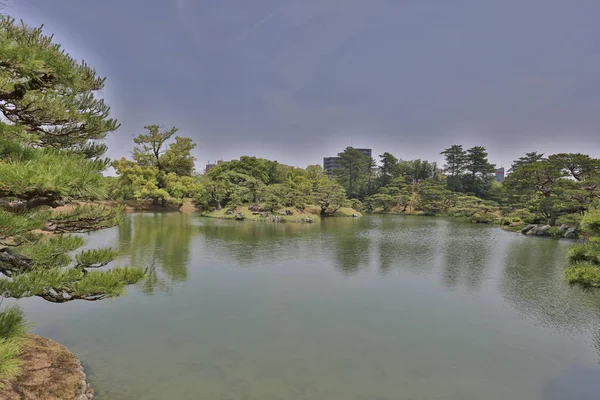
347	309
467	249
351	252
158	242
407	243
250	242
532	282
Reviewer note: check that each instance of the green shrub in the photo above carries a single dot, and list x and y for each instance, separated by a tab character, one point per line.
12	323
568	219
554	231
483	218
12	332
10	365
586	275
525	216
591	221
356	204
584	252
510	220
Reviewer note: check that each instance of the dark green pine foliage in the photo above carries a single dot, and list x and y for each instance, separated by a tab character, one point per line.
49	158
49	94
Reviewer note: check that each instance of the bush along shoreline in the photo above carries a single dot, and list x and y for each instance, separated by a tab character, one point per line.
584	258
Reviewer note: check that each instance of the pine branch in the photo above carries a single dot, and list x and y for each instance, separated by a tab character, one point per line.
60	285
12	262
95	258
85	219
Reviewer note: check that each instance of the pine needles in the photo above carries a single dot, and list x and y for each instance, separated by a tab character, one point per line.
12	332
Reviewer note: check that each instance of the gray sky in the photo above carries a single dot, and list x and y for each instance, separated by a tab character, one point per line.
296	80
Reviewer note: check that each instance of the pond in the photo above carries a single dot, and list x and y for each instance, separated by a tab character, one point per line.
374	308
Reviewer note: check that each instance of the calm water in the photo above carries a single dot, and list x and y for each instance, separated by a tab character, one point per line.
371	309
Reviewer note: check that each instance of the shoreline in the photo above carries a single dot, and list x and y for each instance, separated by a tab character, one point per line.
49	372
537	230
255	213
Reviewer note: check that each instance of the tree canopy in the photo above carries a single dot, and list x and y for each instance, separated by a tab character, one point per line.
162	169
47	160
48	94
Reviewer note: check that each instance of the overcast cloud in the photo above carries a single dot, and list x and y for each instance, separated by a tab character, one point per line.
296	80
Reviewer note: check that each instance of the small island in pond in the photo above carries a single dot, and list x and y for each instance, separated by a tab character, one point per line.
257	212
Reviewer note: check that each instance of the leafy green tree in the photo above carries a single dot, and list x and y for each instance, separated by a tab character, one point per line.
48	94
151	146
160	170
154	150
529	158
399	193
433	196
388	168
330	197
416	170
273	195
456	160
178	158
479	171
353	171
148	183
454	168
316	177
266	171
560	184
213	194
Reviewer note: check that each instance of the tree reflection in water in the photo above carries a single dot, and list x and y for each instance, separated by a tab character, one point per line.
159	242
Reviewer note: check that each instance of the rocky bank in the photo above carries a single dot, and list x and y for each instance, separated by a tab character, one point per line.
50	372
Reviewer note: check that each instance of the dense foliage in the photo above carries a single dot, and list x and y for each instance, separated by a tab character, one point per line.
585	257
48	94
161	169
274	185
49	156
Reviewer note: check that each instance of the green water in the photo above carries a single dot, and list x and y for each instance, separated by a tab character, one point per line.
377	308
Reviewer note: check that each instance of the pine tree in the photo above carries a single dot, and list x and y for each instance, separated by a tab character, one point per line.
353	171
47	160
455	160
387	170
50	94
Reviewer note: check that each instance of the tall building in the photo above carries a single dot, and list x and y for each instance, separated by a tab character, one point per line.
365	152
500	175
209	165
331	163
